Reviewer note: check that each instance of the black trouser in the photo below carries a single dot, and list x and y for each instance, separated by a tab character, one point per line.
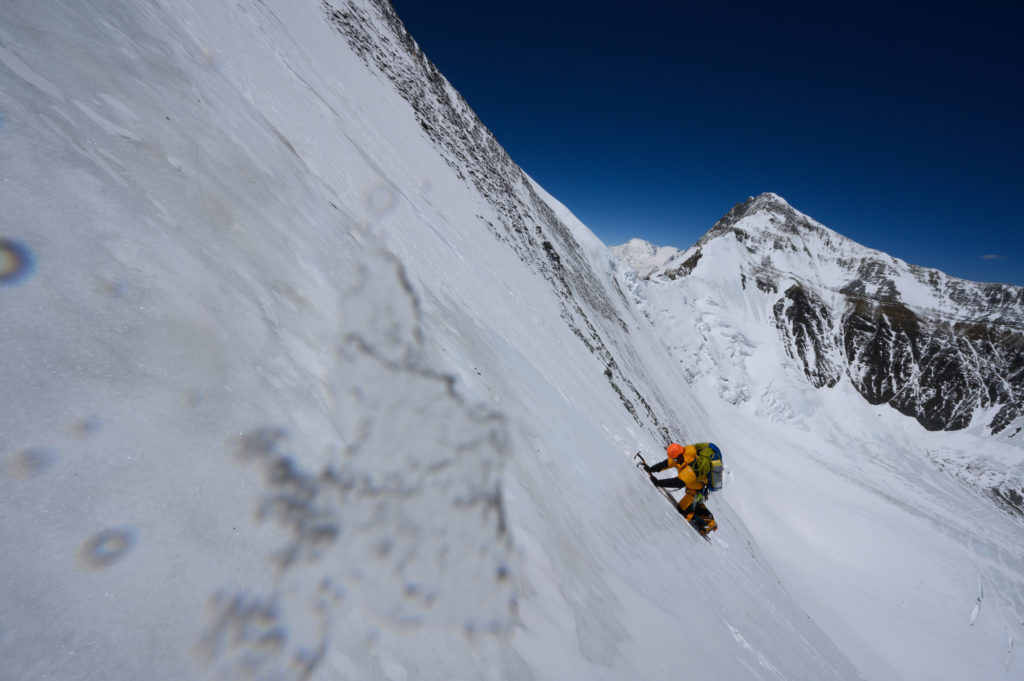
697	507
671	483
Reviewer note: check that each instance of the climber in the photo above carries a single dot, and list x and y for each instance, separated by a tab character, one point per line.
699	472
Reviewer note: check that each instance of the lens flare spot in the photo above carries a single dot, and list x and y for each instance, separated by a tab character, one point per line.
90	425
16	262
114	288
107	547
381	199
28	463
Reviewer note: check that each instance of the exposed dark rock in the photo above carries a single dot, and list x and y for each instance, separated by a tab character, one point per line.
806	325
1010	499
939	366
935	371
879	343
686	268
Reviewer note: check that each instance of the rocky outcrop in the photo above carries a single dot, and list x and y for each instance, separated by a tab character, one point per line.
805	325
685	268
937	371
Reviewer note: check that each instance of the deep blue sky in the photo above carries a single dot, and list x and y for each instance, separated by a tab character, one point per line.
899	128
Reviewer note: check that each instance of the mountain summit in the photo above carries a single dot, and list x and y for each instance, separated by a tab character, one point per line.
767	202
939	349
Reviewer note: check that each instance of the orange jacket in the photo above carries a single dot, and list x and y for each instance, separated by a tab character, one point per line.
680	458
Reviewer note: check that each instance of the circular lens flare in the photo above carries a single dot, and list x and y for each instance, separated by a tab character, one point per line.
107	547
16	262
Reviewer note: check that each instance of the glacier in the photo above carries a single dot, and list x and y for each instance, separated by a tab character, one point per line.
304	378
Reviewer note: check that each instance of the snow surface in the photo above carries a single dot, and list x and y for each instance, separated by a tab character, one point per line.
279	405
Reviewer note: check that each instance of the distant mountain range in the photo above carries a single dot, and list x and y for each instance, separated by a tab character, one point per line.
942	350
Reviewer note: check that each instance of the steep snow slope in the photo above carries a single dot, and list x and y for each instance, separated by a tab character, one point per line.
881	528
303	378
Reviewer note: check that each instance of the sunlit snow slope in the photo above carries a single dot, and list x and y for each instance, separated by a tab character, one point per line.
303	378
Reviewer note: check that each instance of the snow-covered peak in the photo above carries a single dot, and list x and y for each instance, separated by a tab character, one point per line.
772	197
767	217
767	201
861	299
767	240
643	256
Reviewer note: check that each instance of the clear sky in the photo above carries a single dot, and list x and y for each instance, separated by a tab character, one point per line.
897	126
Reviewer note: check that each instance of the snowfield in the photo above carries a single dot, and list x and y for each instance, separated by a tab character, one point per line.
303	378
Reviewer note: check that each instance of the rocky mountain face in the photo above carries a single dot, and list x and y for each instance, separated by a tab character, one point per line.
939	349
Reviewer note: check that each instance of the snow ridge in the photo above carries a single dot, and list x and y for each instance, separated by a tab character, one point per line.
526	223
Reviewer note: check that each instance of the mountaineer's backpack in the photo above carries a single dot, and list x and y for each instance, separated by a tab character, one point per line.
708	465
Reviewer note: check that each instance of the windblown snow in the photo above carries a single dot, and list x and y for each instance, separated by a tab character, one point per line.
303	378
